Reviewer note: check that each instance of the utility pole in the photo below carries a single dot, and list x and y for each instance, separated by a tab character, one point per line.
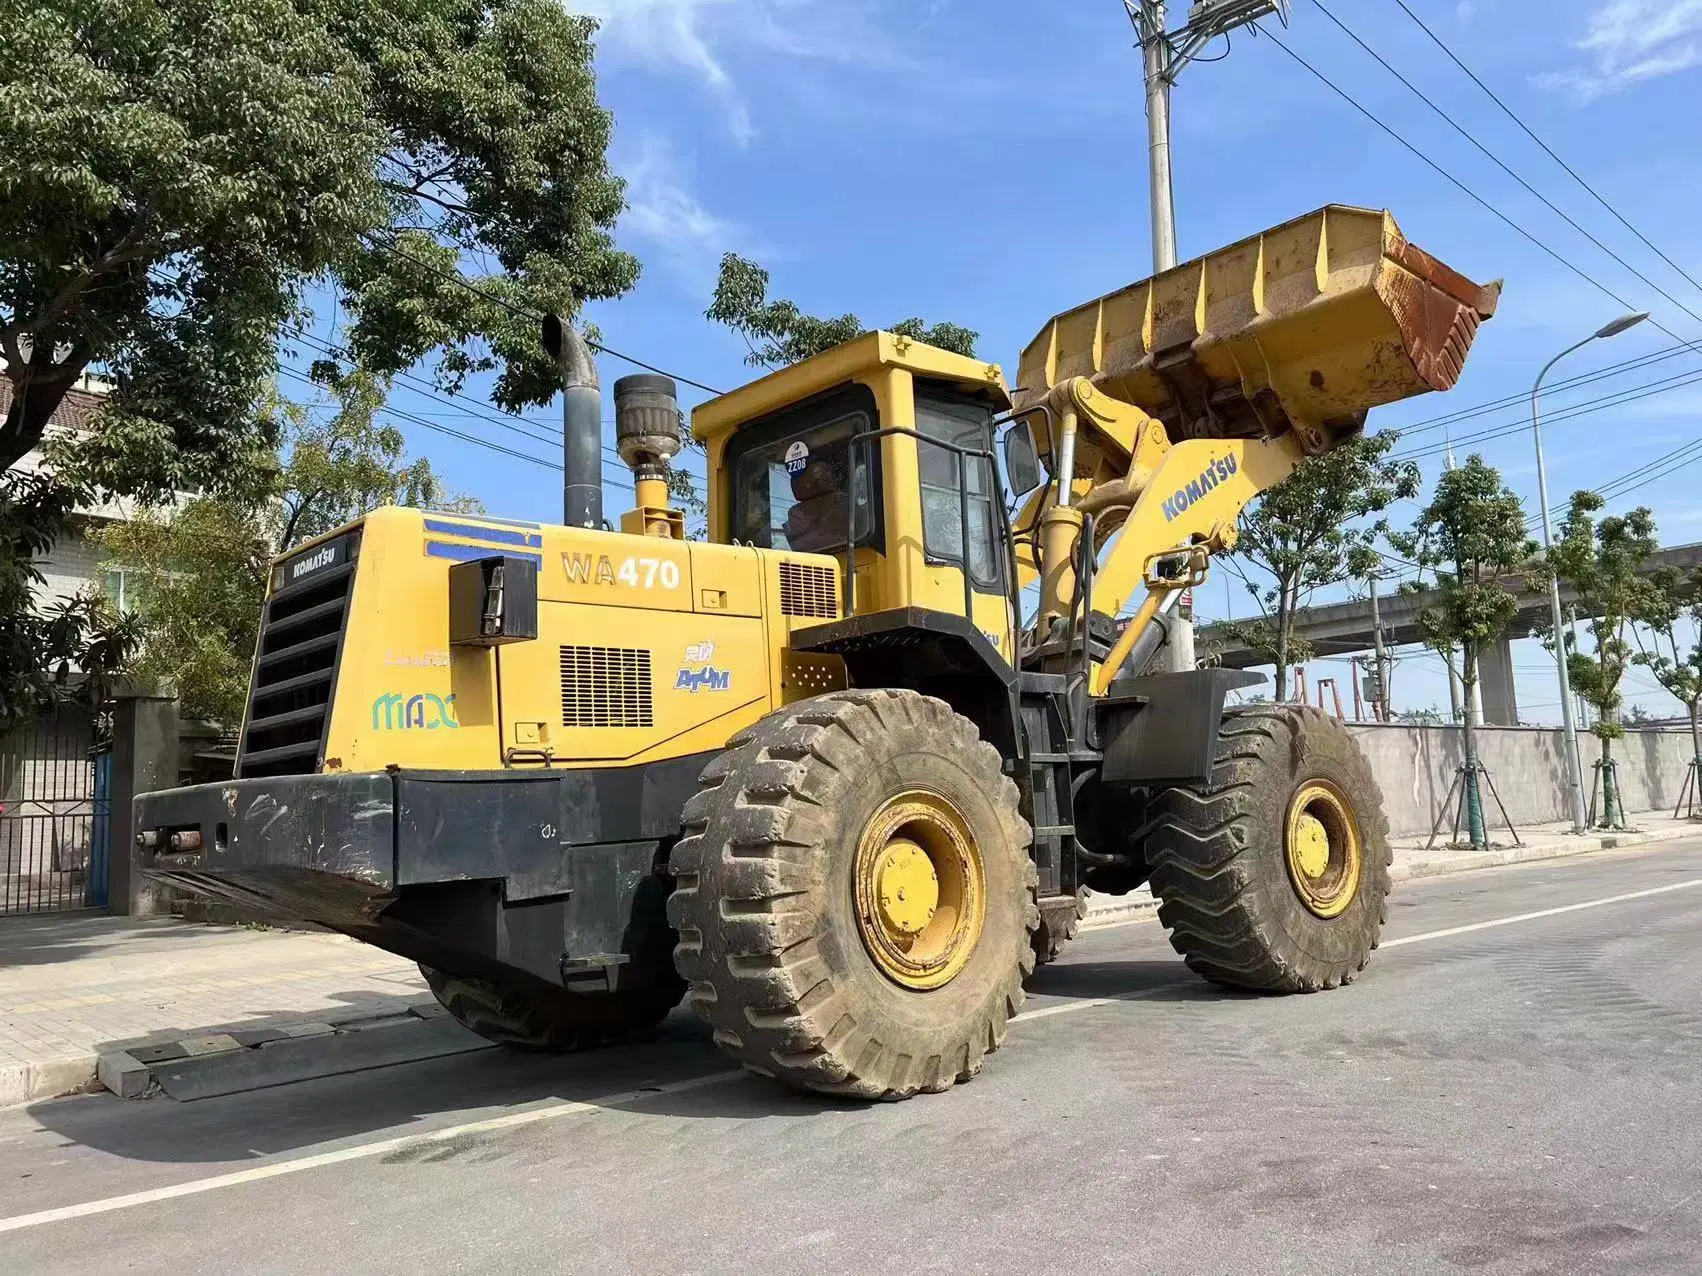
1165	54
1382	707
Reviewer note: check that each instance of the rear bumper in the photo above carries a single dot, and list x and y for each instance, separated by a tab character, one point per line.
315	847
535	869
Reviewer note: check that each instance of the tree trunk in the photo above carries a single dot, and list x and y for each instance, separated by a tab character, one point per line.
1610	789
36	396
1285	623
1473	791
1696	729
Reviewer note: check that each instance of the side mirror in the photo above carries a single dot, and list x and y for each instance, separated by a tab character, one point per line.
1022	459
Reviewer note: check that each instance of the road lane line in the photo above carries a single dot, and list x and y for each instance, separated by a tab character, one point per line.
1546	912
359	1152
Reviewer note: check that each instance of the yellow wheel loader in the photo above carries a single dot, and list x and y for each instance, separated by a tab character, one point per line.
842	773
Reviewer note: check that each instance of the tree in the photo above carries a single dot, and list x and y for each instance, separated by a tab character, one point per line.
178	180
1603	560
1472	539
1673	597
199	572
1309	532
778	333
1430	717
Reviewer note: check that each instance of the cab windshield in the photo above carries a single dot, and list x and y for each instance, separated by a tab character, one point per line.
799	491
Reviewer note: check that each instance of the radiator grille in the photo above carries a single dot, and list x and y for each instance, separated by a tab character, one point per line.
295	667
808	590
606	687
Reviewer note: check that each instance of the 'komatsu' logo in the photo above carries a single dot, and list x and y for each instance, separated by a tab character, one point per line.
313	562
1216	473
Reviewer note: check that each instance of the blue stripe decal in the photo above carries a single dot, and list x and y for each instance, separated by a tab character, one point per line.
467	553
510	522
473	532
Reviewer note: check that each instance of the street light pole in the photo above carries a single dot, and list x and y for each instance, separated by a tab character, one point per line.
1574	765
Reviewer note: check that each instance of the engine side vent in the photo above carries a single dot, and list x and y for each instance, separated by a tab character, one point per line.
606	687
808	590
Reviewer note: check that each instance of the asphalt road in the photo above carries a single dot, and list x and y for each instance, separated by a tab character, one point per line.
1499	1093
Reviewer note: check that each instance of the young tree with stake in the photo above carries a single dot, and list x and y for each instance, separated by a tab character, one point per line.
1309	532
1472	539
1604	561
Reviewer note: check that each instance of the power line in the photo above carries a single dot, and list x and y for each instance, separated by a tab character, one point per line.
1551	389
450	432
1497	161
1454	181
1633	395
1528	132
455	276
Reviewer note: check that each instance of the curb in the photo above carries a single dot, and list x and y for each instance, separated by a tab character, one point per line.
33	1080
1498	856
1111	910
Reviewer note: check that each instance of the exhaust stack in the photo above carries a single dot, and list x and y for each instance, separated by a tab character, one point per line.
581	424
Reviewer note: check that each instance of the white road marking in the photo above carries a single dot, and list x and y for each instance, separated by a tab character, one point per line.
533	1116
359	1152
1546	912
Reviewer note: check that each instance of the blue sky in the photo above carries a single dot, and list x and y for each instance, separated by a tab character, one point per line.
983	161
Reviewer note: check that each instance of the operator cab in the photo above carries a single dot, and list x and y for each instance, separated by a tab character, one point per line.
879	454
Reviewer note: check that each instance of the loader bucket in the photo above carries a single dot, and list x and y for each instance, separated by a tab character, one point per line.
1309	325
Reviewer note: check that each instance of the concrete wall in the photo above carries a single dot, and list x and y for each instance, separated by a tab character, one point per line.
1415	766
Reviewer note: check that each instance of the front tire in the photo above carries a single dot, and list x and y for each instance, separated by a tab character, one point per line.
799	943
1275	876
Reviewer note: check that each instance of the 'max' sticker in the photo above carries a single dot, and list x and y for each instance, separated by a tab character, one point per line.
797	457
1215	472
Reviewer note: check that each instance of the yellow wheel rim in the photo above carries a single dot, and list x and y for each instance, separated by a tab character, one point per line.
1323	849
921	890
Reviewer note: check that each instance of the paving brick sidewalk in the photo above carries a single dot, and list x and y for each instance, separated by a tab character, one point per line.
72	987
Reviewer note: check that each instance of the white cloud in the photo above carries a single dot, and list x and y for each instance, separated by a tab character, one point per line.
663	213
704	38
1630	41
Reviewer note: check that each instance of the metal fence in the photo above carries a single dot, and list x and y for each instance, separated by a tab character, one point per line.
55	817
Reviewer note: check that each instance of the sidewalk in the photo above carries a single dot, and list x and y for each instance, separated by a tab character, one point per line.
74	987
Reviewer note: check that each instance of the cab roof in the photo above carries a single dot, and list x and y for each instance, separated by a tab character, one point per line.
804	380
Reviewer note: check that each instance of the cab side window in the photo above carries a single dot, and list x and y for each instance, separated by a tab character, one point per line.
945	474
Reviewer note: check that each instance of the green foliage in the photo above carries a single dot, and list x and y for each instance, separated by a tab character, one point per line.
1430	717
199	572
1672	597
1472	538
1318	527
778	333
1602	560
175	177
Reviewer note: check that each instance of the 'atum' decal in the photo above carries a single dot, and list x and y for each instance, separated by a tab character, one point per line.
1218	471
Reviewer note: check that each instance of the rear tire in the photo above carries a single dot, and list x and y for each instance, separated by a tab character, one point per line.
531	1016
1225	866
775	924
